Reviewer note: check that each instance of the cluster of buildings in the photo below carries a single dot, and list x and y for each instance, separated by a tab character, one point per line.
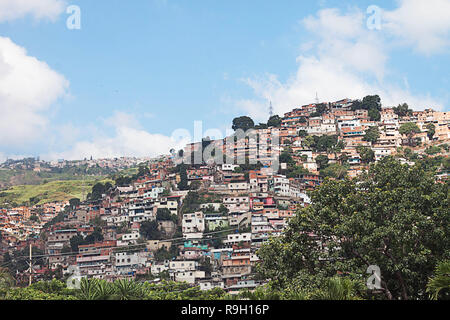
209	234
350	126
38	165
21	223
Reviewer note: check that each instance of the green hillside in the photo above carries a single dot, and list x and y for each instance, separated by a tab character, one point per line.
48	192
16	177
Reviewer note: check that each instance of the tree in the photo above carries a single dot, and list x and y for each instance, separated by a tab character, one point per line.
223	210
335	170
366	154
372	134
439	285
374	115
274	121
308	142
195	185
431	130
323	143
402	110
244	123
74	202
183	184
6	281
370	103
286	157
143	170
163	254
94	237
394	216
338	288
321	108
125	289
164	214
149	230
123	181
322	161
302	133
409	129
34	218
98	222
431	150
98	190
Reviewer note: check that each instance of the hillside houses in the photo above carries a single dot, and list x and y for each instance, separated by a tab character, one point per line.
202	223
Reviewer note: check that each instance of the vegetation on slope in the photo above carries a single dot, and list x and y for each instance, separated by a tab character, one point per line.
48	192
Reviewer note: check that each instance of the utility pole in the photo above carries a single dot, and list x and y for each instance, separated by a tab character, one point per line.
30	263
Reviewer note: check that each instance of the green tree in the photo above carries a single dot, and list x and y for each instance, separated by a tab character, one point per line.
370	103
431	130
409	129
366	154
322	161
244	123
439	285
372	134
34	218
335	170
125	289
431	150
143	170
286	157
164	214
74	202
308	142
274	121
183	184
76	241
6	281
402	110
394	216
338	288
98	190
374	115
149	230
302	133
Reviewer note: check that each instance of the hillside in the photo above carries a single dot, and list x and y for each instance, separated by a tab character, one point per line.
15	177
48	192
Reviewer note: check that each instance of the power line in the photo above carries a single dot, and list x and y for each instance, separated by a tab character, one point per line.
176	240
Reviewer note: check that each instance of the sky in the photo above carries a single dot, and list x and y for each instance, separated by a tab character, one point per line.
133	77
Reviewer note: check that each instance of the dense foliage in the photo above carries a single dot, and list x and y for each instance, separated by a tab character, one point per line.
95	289
393	216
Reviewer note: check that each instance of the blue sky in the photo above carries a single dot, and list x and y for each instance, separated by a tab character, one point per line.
138	70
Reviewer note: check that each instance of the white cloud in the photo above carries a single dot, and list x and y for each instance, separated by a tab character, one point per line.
39	9
129	139
346	61
28	88
423	24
